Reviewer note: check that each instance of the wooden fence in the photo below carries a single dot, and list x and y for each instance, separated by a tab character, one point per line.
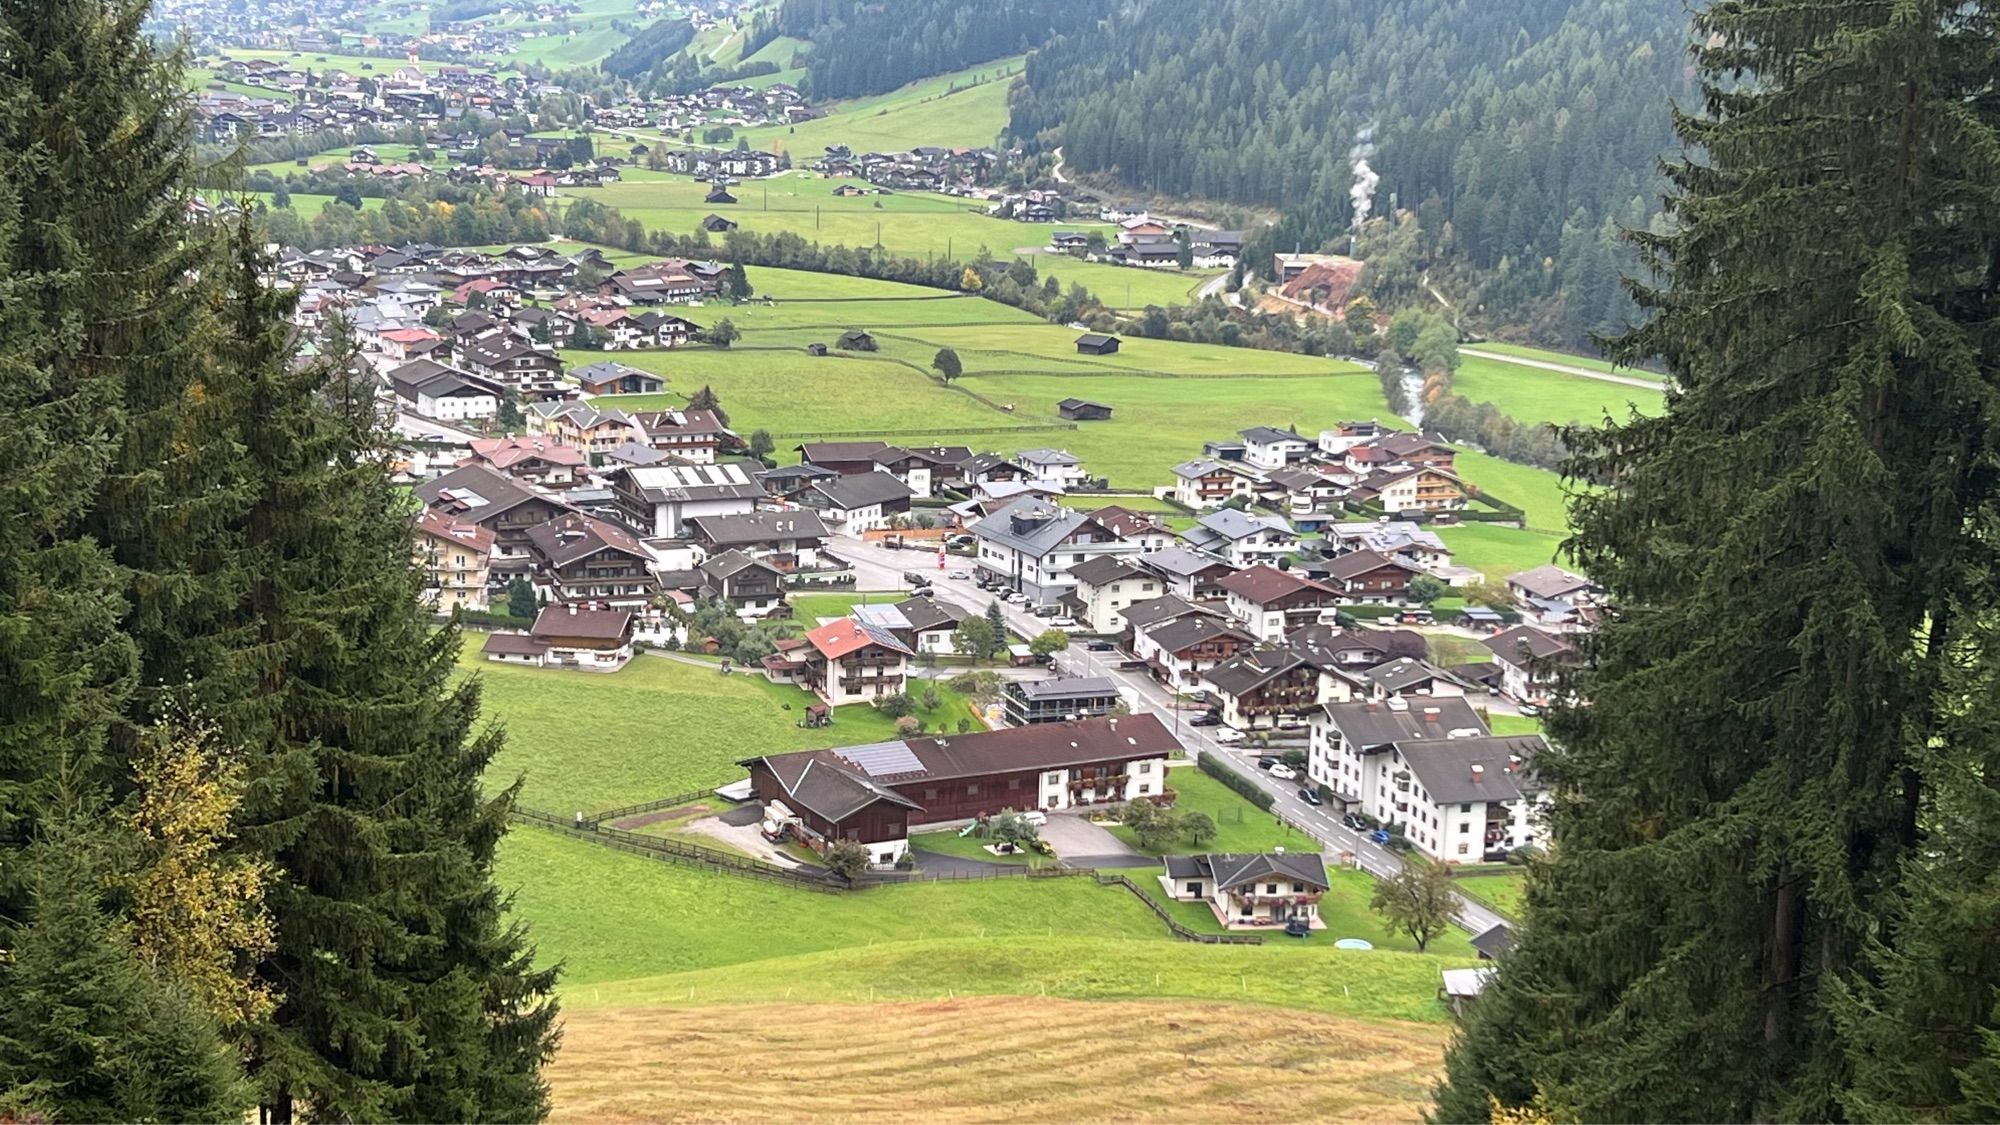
1174	927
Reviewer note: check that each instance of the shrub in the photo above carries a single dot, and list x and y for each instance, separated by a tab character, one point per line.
847	859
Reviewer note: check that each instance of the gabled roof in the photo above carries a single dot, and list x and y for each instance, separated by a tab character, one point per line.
1356	563
925	614
1404	672
663	484
1549	581
1267	435
1178	633
1525	642
760	527
1374	724
861	490
564	540
1102	570
820	783
477	493
1142	615
1182	562
1248	671
1236	870
847	635
1233	525
1458	770
1066	687
1262	585
460	532
593	624
730	563
505	453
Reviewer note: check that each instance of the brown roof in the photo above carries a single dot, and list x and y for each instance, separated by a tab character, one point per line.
1525	642
592	624
514	644
563	541
466	534
1356	563
1263	585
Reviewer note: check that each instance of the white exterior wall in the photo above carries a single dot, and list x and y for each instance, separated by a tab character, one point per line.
1147	778
1054	793
1103	608
1266	625
454	408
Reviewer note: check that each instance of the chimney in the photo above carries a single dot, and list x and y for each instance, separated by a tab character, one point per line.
1513	763
1431	714
1478	772
1278	851
572	609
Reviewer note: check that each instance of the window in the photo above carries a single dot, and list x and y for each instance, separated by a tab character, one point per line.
1145	767
972	790
1465	808
1145	789
1270	888
1462	846
1013	783
1194	889
930	794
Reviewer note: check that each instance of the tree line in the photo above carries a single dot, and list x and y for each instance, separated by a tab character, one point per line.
245	854
1515	130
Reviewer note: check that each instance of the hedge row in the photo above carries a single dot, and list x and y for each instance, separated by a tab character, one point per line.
1213	766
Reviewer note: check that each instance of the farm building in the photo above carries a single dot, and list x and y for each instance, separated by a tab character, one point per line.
1096	343
874	793
856	340
719	194
716	224
1083	410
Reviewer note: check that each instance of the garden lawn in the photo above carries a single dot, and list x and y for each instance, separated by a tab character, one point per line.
1537	492
1503	891
1531	394
1447	649
949	842
1498	551
1239	825
1513	724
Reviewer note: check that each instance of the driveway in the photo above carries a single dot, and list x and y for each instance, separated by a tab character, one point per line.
1079	843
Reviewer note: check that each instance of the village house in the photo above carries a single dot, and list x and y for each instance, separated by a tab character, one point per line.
1272	603
694	436
567	636
454	556
1412	488
1530	661
852	661
1350	741
923	624
1180	650
1554	599
1308	493
1057	469
529	371
1251	891
505	506
1030	546
1242	539
594	431
447	394
540	460
1269	448
1369	577
1105	585
659	499
1410	677
585	559
1062	699
787	540
1280	687
612	378
865	502
1209	483
1189	574
1408	541
751	586
876	793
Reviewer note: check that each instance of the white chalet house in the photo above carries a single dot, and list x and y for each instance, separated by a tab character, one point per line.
1241	539
1269	448
1052	468
1207	483
1105	585
1029	545
659	499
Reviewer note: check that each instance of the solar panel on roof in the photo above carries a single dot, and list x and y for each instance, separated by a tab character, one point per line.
883	759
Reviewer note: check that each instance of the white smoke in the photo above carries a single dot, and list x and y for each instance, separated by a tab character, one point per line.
1365	177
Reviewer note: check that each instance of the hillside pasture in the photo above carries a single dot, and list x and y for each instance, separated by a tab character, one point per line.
1532	394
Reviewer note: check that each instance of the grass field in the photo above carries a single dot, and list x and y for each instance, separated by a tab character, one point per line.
1007	1058
1588	362
1531	394
1239	825
1499	551
965	108
1502	891
656	727
1513	724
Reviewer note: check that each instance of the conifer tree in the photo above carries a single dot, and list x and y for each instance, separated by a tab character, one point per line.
1795	557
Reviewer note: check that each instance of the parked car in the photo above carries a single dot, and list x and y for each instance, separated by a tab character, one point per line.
959	575
1306	793
1530	710
1267	761
1354	821
1206	719
1099	646
1228	736
1283	772
1035	817
1044	611
1017	598
1380	836
1063	621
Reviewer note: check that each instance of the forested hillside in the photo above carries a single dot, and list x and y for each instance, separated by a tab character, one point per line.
1521	134
869	46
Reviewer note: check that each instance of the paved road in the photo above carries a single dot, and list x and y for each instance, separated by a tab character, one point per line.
1566	369
883	566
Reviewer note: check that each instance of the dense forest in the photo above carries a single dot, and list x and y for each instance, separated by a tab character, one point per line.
1523	136
647	47
869	46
